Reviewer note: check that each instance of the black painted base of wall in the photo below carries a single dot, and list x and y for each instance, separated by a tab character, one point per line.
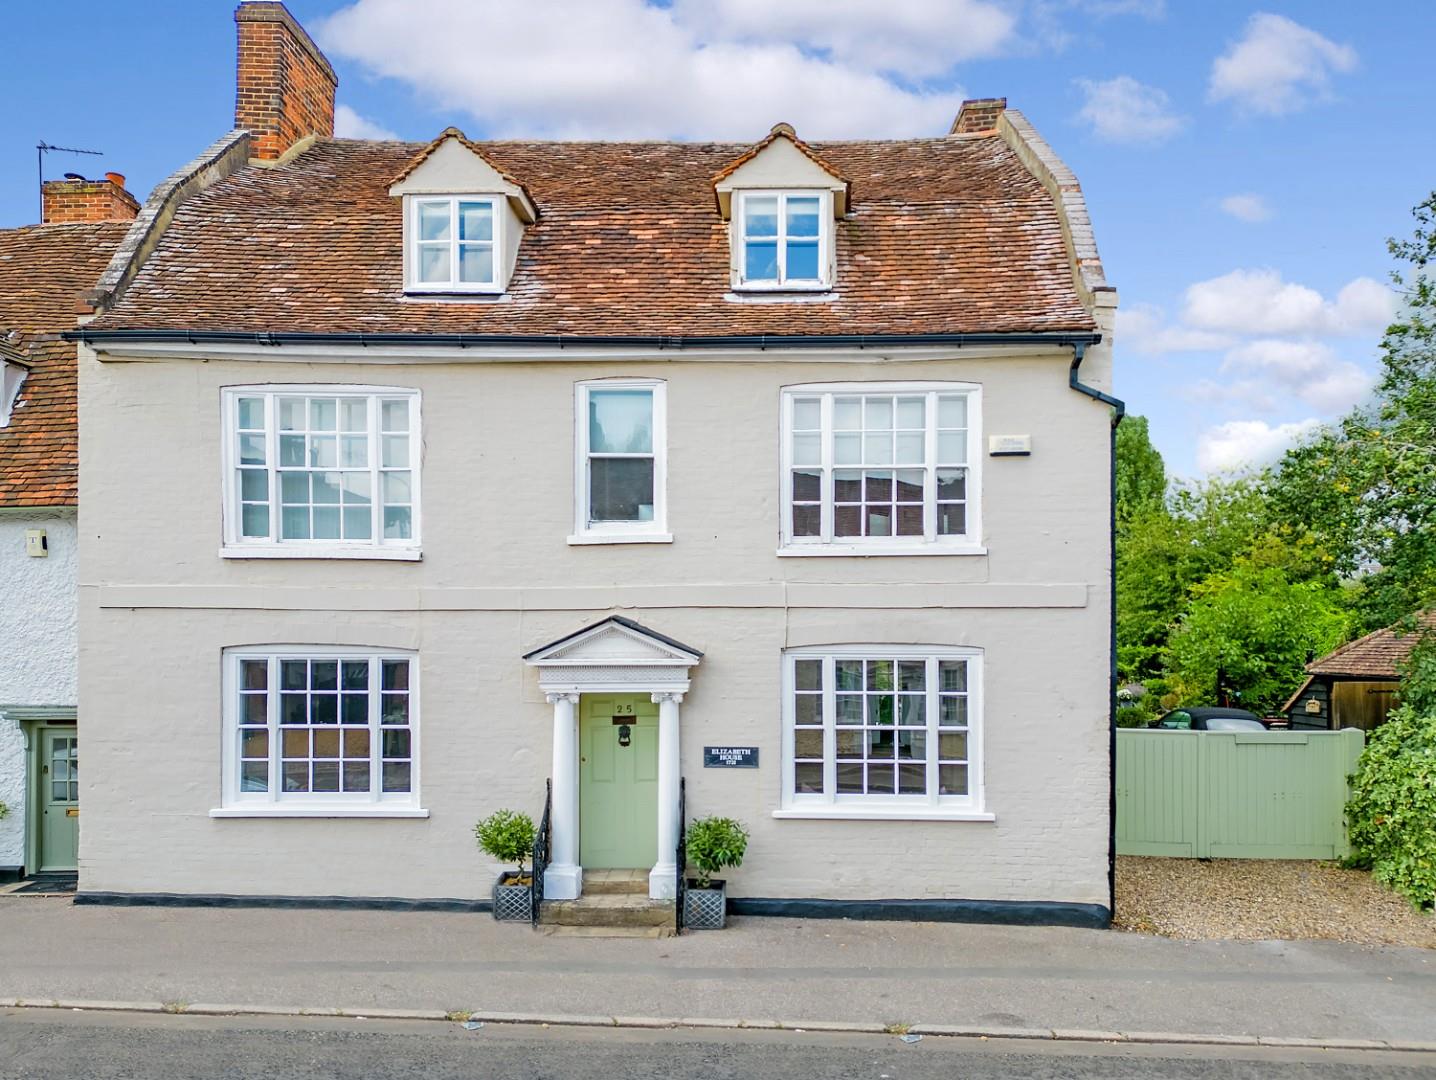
223	900
1004	912
11	874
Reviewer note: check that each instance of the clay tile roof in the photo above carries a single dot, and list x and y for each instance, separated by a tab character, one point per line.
43	270
1376	655
946	236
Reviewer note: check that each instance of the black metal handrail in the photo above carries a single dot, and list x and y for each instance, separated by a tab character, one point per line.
681	856
541	845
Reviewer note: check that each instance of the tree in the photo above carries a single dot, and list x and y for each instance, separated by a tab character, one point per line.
1141	473
1367	486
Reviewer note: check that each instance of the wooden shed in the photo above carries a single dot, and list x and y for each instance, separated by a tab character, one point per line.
1356	685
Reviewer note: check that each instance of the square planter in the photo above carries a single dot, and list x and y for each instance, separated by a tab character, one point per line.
705	909
512	902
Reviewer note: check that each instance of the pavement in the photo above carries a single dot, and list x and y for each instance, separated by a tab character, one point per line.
939	978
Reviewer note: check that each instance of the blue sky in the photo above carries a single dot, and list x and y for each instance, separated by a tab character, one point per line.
1243	161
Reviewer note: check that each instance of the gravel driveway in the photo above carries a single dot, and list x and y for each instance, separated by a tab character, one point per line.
1263	898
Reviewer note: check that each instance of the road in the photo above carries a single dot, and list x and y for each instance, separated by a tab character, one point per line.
42	1044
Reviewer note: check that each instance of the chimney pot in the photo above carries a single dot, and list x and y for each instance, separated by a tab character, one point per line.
116	178
77	199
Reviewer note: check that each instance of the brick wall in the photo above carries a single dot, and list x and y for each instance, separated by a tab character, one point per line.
978	115
87	200
284	85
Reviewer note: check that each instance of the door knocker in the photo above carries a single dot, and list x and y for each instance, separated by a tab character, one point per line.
625	734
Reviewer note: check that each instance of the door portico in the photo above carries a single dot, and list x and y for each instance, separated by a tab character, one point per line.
612	657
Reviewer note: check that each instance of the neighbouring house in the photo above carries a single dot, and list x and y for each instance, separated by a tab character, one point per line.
1356	685
418	475
44	269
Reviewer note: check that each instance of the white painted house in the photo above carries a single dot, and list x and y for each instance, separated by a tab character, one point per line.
471	466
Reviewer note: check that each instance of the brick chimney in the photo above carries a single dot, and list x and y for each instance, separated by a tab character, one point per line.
78	199
285	86
977	115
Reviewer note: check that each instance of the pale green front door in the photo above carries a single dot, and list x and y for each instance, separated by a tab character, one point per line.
618	784
59	798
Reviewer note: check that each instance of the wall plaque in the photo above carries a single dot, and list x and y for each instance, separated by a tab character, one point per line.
730	757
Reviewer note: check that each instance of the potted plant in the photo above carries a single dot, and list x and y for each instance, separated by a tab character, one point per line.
714	844
508	836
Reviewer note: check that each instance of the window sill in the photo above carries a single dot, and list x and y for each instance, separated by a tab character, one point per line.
782	287
580	539
450	290
834	550
273	811
278	551
883	813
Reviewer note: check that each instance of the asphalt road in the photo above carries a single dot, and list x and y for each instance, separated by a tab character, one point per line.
49	1045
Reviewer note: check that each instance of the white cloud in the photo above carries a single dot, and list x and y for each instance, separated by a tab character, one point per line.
916	38
1246	207
1144	328
1124	110
1239	444
348	124
1278	66
1260	302
1309	371
627	69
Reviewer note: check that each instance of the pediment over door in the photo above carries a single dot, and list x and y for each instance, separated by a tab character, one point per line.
615	654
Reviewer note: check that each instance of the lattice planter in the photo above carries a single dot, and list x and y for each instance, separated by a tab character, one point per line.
513	897
707	908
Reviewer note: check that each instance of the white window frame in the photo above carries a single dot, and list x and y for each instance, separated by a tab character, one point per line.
497	207
825	241
930	543
237	546
276	803
931	806
621	532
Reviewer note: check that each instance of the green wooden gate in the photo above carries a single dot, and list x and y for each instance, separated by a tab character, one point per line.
1234	795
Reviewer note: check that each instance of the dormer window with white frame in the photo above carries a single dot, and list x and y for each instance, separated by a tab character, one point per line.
13	370
785	239
453	243
463	220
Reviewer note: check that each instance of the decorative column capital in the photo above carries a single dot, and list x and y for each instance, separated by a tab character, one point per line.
555	698
660	696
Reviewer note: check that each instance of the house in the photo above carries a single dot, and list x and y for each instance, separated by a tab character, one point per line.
1357	684
420	476
43	271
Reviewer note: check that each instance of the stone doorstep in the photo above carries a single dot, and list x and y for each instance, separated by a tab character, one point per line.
615	882
609	909
651	933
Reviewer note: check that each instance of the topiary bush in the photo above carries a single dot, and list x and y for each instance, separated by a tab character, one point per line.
714	845
507	836
1392	810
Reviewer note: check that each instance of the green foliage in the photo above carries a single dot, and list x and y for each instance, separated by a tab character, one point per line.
1254	627
4	811
1392	811
507	835
715	844
1141	473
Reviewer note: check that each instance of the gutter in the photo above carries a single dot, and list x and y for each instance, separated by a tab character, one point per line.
1077	340
1119	410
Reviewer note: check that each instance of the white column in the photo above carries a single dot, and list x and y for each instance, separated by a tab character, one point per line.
563	880
662	881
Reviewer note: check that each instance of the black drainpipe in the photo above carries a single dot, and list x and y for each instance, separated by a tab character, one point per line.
1119	410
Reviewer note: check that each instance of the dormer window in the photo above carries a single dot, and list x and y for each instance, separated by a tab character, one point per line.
453	240
464	218
13	370
784	241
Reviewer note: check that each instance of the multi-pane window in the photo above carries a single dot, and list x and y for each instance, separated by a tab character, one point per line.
453	244
321	728
782	239
879	466
323	468
620	468
891	727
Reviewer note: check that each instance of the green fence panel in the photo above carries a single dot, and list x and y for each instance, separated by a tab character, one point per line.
1234	795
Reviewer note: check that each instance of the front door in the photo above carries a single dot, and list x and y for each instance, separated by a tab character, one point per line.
59	799
618	781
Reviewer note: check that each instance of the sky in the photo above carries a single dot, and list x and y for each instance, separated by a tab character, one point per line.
1244	161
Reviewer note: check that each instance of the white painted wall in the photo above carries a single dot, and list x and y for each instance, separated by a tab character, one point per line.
498	579
37	646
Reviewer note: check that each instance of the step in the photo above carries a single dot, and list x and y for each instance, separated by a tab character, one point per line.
615	882
652	933
608	910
